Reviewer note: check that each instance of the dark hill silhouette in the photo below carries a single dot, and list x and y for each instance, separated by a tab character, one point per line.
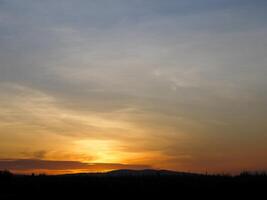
134	173
127	184
146	172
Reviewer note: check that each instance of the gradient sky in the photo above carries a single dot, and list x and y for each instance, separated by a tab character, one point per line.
101	84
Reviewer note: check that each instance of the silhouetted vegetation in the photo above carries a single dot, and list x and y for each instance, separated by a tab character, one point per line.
128	184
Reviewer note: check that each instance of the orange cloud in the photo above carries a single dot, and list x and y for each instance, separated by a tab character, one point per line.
27	166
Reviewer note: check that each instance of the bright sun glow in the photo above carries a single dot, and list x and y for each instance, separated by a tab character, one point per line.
102	151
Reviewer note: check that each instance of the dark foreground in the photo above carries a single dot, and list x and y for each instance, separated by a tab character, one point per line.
126	184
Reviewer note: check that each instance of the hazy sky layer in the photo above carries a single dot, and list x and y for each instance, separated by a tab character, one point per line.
175	84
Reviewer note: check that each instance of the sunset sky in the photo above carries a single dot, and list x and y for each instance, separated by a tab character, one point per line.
97	85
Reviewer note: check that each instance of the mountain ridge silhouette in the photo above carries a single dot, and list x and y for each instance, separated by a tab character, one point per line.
134	172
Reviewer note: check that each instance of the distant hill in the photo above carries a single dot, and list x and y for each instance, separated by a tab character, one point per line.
132	172
146	172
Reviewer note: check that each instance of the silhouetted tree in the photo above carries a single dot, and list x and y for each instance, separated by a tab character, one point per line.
5	174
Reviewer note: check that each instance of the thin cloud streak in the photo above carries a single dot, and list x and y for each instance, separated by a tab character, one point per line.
57	167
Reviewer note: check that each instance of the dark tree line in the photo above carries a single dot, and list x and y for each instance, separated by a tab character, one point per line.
132	185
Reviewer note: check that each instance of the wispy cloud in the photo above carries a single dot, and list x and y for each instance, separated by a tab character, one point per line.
137	80
59	167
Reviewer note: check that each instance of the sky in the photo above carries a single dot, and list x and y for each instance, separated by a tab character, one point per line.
97	85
